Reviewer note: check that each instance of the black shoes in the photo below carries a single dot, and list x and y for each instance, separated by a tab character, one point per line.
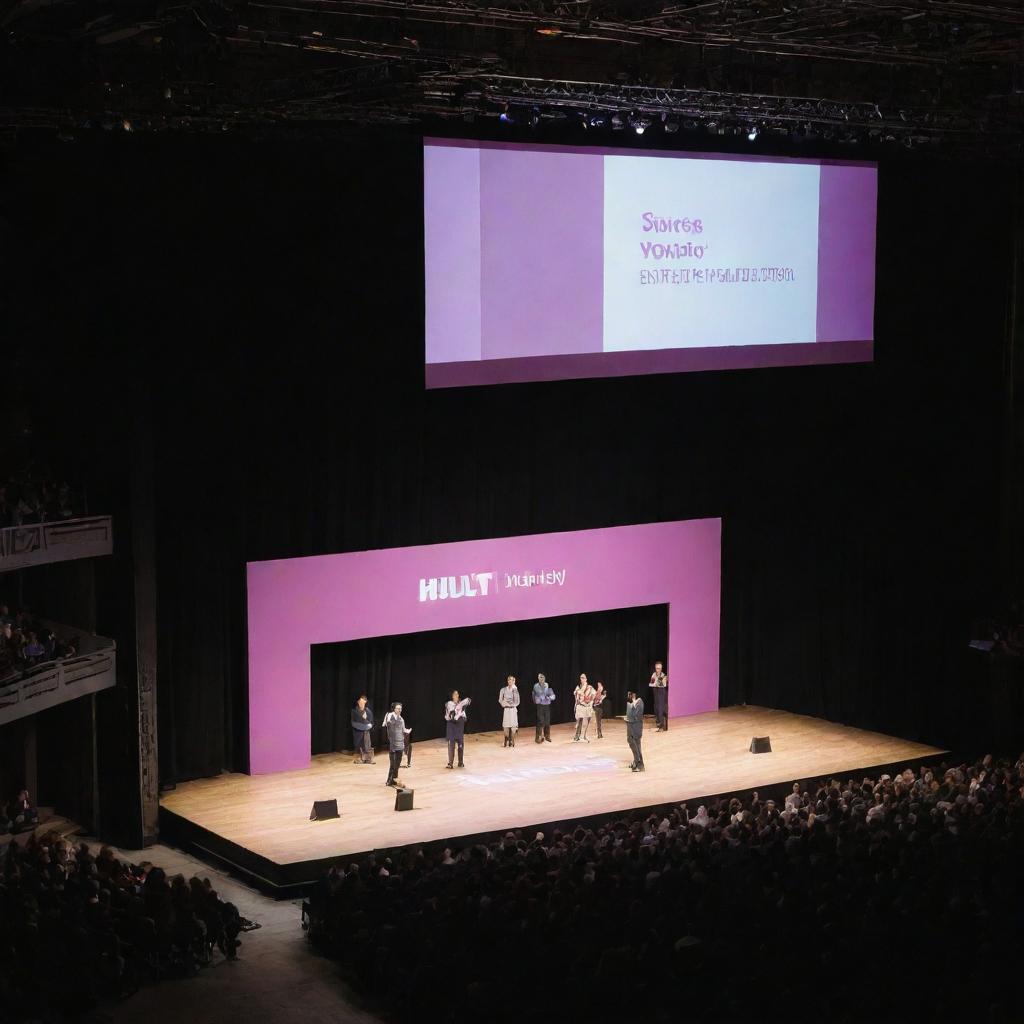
447	766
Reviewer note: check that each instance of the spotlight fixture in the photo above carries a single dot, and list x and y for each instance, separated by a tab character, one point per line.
617	122
752	134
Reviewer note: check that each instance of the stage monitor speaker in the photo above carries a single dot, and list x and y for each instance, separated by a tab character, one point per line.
403	799
324	809
760	745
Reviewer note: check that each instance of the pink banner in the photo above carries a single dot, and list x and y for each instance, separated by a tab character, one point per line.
294	603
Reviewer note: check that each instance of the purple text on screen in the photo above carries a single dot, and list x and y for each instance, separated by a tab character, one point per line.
552	262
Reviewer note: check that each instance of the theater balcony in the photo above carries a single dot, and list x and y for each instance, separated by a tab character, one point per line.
47	684
57	541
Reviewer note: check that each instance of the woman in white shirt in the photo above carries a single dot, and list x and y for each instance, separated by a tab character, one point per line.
584	697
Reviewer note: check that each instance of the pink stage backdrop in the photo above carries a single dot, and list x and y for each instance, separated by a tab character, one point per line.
296	602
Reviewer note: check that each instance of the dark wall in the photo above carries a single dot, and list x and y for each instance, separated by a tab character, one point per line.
270	295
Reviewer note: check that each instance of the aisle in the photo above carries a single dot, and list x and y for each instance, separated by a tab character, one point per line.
277	978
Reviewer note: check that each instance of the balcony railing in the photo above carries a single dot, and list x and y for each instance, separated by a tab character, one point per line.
58	541
54	682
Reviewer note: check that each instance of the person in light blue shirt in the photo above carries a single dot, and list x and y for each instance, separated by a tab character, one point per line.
543	695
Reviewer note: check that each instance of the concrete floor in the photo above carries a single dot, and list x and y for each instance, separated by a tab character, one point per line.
278	977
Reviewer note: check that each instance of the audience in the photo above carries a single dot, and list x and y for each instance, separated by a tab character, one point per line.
1003	634
888	899
18	814
75	928
30	496
25	643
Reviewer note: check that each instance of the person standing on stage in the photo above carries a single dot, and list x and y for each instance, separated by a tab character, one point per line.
584	697
508	698
362	727
455	725
635	729
394	726
599	695
543	695
659	684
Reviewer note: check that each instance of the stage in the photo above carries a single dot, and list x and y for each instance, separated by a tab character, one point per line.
260	823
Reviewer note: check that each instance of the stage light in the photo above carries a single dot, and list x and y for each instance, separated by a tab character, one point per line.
505	117
752	134
597	121
671	127
535	118
617	122
640	128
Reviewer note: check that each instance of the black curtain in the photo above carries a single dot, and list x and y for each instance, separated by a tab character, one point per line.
421	669
271	296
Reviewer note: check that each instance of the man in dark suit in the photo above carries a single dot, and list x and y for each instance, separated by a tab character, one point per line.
635	729
362	725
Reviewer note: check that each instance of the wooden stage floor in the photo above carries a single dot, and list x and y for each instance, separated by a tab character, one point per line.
263	819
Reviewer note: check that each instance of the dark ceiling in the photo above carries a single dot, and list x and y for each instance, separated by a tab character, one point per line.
918	73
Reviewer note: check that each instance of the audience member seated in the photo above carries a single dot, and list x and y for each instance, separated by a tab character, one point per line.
18	814
1002	635
25	643
889	899
33	496
77	927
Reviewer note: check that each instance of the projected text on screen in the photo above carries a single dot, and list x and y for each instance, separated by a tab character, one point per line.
550	262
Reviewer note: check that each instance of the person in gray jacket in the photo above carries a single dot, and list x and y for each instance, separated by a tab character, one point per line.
394	726
635	729
508	698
